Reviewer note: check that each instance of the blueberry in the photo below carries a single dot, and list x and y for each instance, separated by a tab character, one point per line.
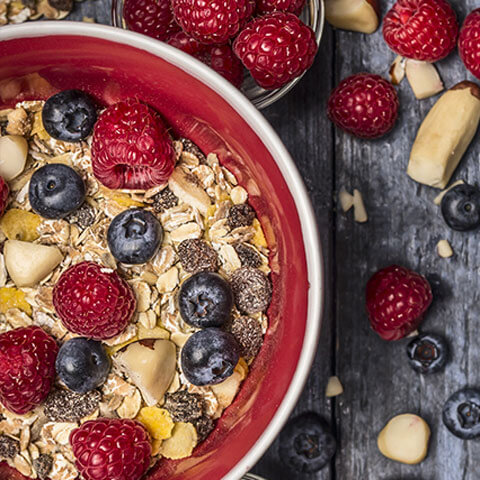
56	190
209	357
69	116
205	300
461	207
306	443
134	236
427	353
461	413
82	364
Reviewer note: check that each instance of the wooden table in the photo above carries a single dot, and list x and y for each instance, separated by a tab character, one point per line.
404	227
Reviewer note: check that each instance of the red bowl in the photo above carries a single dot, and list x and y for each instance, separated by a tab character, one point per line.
38	59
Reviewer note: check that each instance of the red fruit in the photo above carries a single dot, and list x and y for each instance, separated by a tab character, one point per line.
365	105
9	473
113	449
131	147
93	301
424	30
397	299
290	6
4	191
276	48
150	17
469	42
213	21
219	57
27	368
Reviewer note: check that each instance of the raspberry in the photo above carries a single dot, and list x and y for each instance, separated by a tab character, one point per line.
397	299
364	105
219	57
27	368
290	6
93	301
113	449
150	17
469	42
4	191
424	30
276	48
215	21
131	147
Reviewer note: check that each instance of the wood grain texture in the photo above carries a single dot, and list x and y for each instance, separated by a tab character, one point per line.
404	226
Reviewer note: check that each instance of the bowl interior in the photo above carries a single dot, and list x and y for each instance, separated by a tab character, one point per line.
37	66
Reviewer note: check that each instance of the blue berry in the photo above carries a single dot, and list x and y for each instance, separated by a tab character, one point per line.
306	443
134	236
205	300
461	413
209	357
461	207
427	353
69	116
56	190
82	364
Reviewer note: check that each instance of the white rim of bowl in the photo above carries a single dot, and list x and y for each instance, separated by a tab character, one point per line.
265	132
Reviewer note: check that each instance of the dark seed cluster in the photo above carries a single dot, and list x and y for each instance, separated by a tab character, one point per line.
67	406
184	406
204	425
197	256
43	465
83	216
9	447
248	256
190	147
164	200
252	290
248	333
240	215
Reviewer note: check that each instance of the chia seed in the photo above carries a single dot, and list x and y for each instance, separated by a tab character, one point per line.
83	216
248	256
43	465
67	406
252	290
248	333
197	256
9	447
190	147
184	406
204	425
164	200
240	215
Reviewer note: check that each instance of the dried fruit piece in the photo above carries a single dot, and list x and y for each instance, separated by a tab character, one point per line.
157	421
182	442
423	78
405	439
355	15
444	136
13	298
13	155
29	263
20	225
259	237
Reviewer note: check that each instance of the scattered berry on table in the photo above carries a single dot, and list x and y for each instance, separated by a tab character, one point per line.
306	443
461	207
150	17
427	353
276	48
196	255
290	6
469	42
365	105
209	357
56	190
27	368
205	300
82	364
424	30
93	301
67	406
396	300
131	147
134	236
4	191
461	413
252	290
69	115
215	21
111	448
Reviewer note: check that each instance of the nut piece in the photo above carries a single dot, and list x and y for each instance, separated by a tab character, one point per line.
405	439
334	387
397	70
445	135
151	366
355	15
438	199
28	263
444	249
423	78
186	186
13	155
345	199
359	210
